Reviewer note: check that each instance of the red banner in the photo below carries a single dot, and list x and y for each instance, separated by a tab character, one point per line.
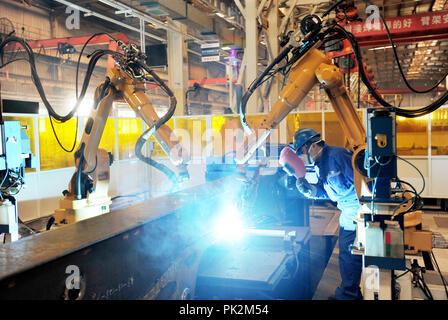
419	27
418	22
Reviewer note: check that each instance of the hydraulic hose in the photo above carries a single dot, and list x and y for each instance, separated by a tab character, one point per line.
149	132
408	113
36	80
256	83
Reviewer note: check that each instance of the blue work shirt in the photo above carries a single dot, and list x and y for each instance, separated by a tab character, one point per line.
336	183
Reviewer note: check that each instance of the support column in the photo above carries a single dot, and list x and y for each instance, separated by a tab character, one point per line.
251	51
178	65
272	32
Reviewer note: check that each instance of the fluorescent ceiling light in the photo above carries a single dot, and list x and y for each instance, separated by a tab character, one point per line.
380	48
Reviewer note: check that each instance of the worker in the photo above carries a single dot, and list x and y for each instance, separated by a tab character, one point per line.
333	166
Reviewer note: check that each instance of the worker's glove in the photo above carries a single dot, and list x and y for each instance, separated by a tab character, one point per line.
287	182
305	188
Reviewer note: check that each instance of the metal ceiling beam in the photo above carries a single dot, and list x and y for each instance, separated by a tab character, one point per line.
89	12
74	41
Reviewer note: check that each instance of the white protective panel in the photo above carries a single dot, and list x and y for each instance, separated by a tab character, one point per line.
409	174
439	177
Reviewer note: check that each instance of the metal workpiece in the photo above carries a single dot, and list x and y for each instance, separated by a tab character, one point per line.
148	250
267	264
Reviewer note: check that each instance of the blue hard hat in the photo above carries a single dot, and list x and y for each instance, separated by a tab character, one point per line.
303	136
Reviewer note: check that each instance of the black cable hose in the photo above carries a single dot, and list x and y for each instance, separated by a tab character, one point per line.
57	138
332	8
408	113
426	289
36	80
297	54
395	55
147	134
257	82
82	51
394	49
148	160
410	87
94	57
421	283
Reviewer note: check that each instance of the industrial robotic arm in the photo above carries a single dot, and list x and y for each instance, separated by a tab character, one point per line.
88	189
387	211
311	67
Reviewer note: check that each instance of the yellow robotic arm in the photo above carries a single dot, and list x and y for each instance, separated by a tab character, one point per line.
313	68
88	189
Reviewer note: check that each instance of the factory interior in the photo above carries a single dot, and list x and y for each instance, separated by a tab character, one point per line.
223	150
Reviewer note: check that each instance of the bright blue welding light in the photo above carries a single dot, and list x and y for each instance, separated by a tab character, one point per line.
230	225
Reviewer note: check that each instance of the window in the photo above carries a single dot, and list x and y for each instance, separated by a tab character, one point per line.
439	132
51	154
412	136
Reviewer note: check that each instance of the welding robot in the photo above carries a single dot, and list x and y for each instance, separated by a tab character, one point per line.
87	195
386	218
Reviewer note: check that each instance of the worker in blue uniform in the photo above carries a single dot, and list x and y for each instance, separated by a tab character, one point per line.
333	166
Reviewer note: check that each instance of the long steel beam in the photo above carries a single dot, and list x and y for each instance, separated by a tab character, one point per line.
149	250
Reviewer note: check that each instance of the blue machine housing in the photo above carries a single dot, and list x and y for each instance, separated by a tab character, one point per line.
15	151
11	146
381	144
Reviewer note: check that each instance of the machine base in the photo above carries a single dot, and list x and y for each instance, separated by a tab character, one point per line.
76	210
